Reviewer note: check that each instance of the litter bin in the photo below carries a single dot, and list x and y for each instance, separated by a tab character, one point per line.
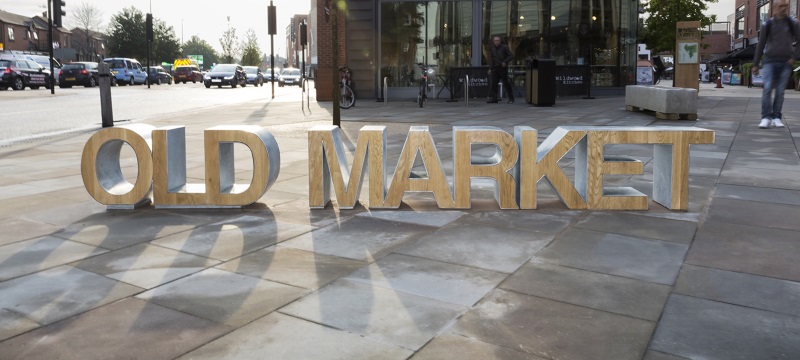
540	83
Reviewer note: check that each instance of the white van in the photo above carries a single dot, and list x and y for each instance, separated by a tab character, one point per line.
127	71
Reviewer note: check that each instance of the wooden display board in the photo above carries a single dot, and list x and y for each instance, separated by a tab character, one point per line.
687	55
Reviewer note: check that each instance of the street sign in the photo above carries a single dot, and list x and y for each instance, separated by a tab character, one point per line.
198	58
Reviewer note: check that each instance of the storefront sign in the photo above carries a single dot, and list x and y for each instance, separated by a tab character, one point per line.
478	81
571	80
517	166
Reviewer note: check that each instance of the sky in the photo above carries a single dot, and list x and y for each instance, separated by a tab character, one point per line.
208	21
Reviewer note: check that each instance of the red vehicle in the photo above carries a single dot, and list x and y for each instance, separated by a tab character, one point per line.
186	73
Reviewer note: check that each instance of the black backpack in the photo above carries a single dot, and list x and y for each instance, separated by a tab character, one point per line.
792	24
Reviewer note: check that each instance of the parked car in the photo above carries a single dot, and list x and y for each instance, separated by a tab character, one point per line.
128	71
226	74
158	75
186	73
289	76
268	74
78	73
254	75
20	73
45	61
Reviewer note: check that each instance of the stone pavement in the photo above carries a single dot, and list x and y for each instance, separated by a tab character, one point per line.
279	281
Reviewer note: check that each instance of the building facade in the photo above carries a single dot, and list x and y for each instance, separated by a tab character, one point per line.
749	17
294	49
30	34
385	39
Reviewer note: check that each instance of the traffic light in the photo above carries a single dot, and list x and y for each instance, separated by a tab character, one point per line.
303	34
149	26
58	12
271	20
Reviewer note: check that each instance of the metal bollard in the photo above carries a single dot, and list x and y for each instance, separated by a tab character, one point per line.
106	112
386	91
466	90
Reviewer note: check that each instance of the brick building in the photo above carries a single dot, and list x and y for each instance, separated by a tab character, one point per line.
29	34
749	15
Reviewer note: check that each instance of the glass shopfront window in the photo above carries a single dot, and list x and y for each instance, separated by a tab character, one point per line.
435	33
596	33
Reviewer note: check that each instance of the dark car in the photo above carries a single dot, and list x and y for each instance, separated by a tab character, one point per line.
19	74
78	73
226	74
186	73
158	75
254	75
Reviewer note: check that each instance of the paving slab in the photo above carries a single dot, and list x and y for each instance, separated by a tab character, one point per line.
144	265
385	315
486	247
750	193
18	229
232	238
610	293
640	226
550	223
427	218
358	238
29	256
50	210
224	297
766	161
12	324
51	295
122	228
294	267
748	249
127	329
649	260
433	279
657	355
452	346
774	216
554	329
703	329
293	338
748	290
779	179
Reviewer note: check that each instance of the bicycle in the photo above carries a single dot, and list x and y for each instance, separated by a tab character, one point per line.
422	98
347	98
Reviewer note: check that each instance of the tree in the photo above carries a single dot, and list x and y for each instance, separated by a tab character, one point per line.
86	20
197	46
250	54
228	41
659	34
126	36
166	46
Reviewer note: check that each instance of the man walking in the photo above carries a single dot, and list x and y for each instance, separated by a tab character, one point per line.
498	70
775	45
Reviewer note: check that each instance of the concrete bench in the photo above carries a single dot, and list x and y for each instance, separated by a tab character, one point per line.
668	103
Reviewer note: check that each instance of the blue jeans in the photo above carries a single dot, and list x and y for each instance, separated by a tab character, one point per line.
776	76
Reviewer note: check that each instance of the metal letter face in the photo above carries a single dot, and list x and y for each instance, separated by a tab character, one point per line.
420	141
496	167
169	170
327	163
101	171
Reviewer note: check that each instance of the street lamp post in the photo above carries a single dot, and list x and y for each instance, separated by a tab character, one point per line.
272	28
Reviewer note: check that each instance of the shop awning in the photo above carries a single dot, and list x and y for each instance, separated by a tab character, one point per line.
739	55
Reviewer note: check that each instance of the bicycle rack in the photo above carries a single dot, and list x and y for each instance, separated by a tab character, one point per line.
386	91
466	90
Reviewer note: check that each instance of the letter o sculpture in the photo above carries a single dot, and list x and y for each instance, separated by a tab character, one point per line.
102	172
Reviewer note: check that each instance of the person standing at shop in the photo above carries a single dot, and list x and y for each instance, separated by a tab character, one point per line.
498	70
775	46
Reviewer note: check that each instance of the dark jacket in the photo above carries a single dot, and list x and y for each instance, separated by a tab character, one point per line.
501	54
775	40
